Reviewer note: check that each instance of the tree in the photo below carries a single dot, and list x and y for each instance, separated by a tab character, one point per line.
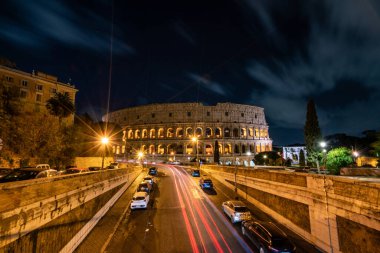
338	158
216	153
312	134
302	158
272	158
60	105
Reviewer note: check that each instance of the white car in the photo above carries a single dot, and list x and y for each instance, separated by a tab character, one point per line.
140	200
149	179
236	211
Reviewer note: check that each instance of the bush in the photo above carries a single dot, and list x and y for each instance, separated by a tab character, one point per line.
338	158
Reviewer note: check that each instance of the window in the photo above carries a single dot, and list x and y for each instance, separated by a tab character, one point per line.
226	113
153	115
242	114
9	79
208	113
39	97
24	83
53	90
39	87
170	114
23	94
255	116
189	114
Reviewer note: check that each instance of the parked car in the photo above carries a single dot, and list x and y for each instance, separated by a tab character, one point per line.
195	173
43	166
144	187
27	173
236	211
76	170
205	183
140	200
149	180
267	237
5	171
94	168
114	165
152	171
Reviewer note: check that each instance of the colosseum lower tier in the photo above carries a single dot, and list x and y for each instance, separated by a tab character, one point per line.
185	131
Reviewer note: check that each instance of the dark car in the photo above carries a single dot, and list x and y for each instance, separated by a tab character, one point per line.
153	171
94	168
267	237
195	173
144	187
5	171
206	183
27	173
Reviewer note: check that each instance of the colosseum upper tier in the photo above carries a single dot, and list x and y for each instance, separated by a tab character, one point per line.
167	131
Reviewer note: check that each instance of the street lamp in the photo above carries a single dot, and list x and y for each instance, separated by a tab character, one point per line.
195	139
140	156
356	155
104	141
265	158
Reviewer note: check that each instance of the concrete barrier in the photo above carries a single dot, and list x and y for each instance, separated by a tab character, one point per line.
43	215
336	214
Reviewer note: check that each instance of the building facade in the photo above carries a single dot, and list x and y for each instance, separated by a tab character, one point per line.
165	131
34	89
292	152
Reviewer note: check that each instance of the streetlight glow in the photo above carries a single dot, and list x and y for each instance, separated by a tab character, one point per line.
140	154
323	144
249	153
105	140
355	153
194	139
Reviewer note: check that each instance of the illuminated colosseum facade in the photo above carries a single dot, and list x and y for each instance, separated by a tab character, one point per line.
164	131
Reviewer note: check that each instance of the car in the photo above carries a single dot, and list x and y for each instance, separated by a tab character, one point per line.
27	173
152	171
94	168
113	166
5	171
236	211
140	200
43	166
76	170
267	237
205	183
195	173
144	187
149	179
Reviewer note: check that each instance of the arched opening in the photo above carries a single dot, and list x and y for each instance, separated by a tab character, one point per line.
152	133
130	134
179	132
262	133
198	132
220	149
243	149
152	149
137	134
252	148
243	133
172	148
235	132
257	132
161	149
180	149
258	149
209	150
227	132
161	133
227	148
218	132
189	149
236	149
208	132
250	130
170	133
189	132
144	133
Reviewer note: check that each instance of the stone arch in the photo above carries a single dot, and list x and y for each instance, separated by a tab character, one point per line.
250	132
236	149
243	132
189	148
179	149
252	148
161	149
179	132
235	132
171	149
144	133
208	132
243	148
170	133
198	132
227	148
130	134
257	133
161	133
227	132
152	149
209	149
189	132
218	132
152	133
137	134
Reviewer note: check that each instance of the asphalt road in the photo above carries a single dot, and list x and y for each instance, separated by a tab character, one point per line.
182	217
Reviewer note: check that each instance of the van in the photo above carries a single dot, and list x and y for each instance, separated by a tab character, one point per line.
43	166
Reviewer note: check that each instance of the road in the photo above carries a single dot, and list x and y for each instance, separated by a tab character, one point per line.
180	218
184	218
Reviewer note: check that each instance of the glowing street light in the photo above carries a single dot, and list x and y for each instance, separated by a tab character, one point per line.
265	158
323	144
104	140
249	158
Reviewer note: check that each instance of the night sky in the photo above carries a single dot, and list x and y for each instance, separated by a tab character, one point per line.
273	54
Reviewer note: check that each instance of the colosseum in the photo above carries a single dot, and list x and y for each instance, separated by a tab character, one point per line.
165	132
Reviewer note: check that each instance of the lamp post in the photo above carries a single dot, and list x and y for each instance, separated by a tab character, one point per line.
265	158
104	141
195	139
356	155
249	158
140	156
323	145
